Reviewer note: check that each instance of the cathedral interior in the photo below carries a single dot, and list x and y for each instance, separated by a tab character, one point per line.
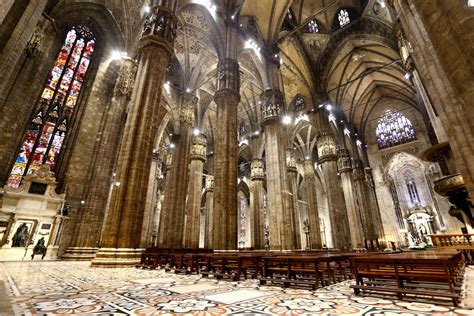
273	142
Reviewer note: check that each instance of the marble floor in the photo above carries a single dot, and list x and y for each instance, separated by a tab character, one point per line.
55	287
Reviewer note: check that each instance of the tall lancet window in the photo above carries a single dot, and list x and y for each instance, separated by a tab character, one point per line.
53	112
412	191
313	26
394	129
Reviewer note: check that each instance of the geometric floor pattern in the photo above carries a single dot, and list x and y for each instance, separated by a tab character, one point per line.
58	287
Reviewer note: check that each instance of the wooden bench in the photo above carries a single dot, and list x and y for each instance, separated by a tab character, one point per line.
423	274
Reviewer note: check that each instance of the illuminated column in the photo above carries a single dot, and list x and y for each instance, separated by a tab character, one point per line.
355	221
171	230
279	200
193	207
292	185
86	238
373	206
122	233
327	157
313	214
257	177
225	212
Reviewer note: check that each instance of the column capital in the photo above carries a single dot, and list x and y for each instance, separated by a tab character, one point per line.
198	148
186	111
326	144
272	105
344	163
228	75
159	29
291	160
257	169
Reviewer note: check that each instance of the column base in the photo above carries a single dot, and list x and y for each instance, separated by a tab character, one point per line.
79	254
117	257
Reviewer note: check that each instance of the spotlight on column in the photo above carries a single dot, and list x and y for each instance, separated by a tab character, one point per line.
286	119
147	9
256	133
172	145
196	132
328	107
117	184
407	76
116	55
307	157
83	202
188	90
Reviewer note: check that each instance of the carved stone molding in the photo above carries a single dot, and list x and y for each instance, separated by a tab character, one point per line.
291	160
326	144
449	184
126	78
308	168
186	111
33	46
272	105
344	163
198	148
210	183
257	171
358	169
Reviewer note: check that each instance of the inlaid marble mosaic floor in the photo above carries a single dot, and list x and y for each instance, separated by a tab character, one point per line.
74	288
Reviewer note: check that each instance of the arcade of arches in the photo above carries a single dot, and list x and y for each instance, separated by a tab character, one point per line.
224	124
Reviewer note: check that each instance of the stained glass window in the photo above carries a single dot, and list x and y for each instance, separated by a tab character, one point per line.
313	26
50	122
343	17
394	129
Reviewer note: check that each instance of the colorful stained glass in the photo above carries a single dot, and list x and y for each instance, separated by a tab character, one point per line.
313	26
343	17
394	129
45	134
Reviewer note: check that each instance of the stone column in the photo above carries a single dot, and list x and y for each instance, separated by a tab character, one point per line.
362	200
193	207
86	238
122	233
292	185
313	214
173	212
209	225
327	157
279	199
225	210
257	222
354	218
374	206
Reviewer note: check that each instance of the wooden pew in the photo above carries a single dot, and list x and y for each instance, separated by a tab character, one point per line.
411	275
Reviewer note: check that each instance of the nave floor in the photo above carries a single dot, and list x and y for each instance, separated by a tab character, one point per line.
59	287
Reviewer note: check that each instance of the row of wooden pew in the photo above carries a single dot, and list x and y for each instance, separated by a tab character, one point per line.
422	276
414	275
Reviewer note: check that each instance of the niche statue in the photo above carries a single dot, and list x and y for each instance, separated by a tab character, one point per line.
21	236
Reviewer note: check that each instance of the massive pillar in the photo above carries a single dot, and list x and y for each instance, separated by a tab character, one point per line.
327	157
353	212
257	222
373	205
193	207
227	99
279	198
293	187
121	240
173	215
86	238
313	215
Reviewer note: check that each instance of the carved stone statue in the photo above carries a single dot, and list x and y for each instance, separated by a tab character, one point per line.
21	236
40	248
